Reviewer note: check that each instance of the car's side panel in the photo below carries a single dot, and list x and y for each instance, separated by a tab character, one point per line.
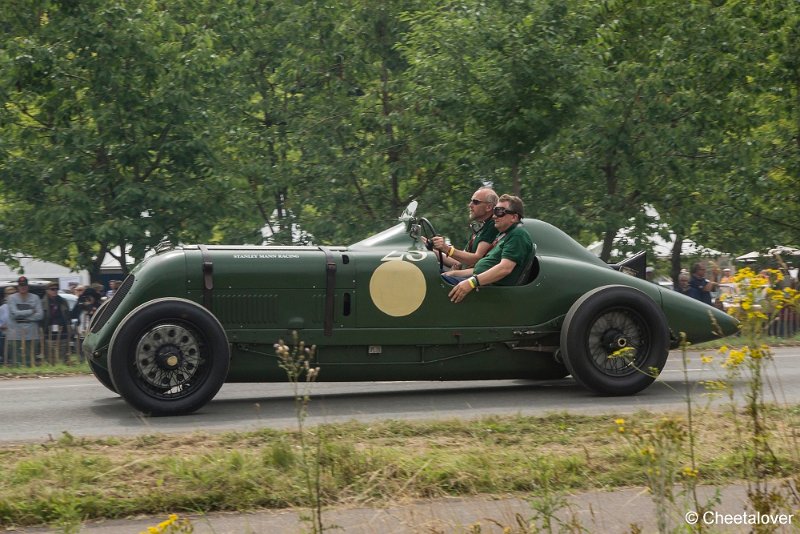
491	313
407	362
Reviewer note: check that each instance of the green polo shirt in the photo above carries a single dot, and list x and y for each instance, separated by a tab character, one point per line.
487	232
515	245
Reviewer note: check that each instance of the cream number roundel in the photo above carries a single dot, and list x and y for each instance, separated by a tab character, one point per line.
397	287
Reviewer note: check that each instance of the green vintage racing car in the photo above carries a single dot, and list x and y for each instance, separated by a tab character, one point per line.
190	318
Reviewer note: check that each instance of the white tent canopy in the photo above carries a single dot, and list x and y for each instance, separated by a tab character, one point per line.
783	250
41	270
111	265
750	256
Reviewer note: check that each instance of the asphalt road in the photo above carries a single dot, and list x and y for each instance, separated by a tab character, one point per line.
39	409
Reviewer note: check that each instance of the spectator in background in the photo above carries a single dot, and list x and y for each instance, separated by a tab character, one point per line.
683	284
100	289
700	287
75	318
56	325
4	322
24	313
113	285
71	287
727	277
83	311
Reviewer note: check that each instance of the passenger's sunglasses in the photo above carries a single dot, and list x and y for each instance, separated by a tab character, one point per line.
475	202
502	212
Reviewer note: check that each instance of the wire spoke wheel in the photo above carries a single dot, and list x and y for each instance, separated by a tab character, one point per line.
169	357
618	342
615	340
169	360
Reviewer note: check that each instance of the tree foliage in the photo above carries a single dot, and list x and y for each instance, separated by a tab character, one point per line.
105	137
243	121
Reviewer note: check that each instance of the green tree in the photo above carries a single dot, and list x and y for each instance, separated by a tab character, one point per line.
366	146
254	116
501	77
667	107
759	199
104	139
315	123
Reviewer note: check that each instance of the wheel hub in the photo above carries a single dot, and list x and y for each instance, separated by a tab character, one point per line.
617	342
168	356
614	340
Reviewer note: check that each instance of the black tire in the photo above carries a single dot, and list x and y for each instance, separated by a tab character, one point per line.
101	374
602	322
169	357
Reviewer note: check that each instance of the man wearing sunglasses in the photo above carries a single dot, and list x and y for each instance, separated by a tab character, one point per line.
505	262
482	228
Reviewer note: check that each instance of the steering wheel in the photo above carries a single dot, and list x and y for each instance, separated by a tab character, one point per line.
430	232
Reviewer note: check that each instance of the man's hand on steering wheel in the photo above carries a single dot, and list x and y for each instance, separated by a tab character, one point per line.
439	244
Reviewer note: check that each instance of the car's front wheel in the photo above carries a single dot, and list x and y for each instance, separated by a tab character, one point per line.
615	340
169	357
102	376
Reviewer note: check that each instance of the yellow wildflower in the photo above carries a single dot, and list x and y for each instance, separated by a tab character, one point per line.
706	359
735	359
715	385
624	352
620	425
762	351
688	472
163	526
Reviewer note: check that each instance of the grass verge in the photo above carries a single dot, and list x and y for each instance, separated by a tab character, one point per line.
45	370
71	480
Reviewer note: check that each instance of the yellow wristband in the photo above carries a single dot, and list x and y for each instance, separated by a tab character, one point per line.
451	251
471	283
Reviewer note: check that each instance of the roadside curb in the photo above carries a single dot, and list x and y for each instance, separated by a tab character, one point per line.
596	511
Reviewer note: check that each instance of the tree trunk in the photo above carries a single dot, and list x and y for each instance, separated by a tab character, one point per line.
675	260
608	243
516	186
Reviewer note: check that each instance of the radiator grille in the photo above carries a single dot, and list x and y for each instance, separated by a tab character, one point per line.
105	311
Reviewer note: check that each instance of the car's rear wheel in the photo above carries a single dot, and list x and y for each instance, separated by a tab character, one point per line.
169	357
615	340
101	374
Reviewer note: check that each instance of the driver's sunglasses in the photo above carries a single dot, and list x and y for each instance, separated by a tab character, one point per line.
475	202
502	212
